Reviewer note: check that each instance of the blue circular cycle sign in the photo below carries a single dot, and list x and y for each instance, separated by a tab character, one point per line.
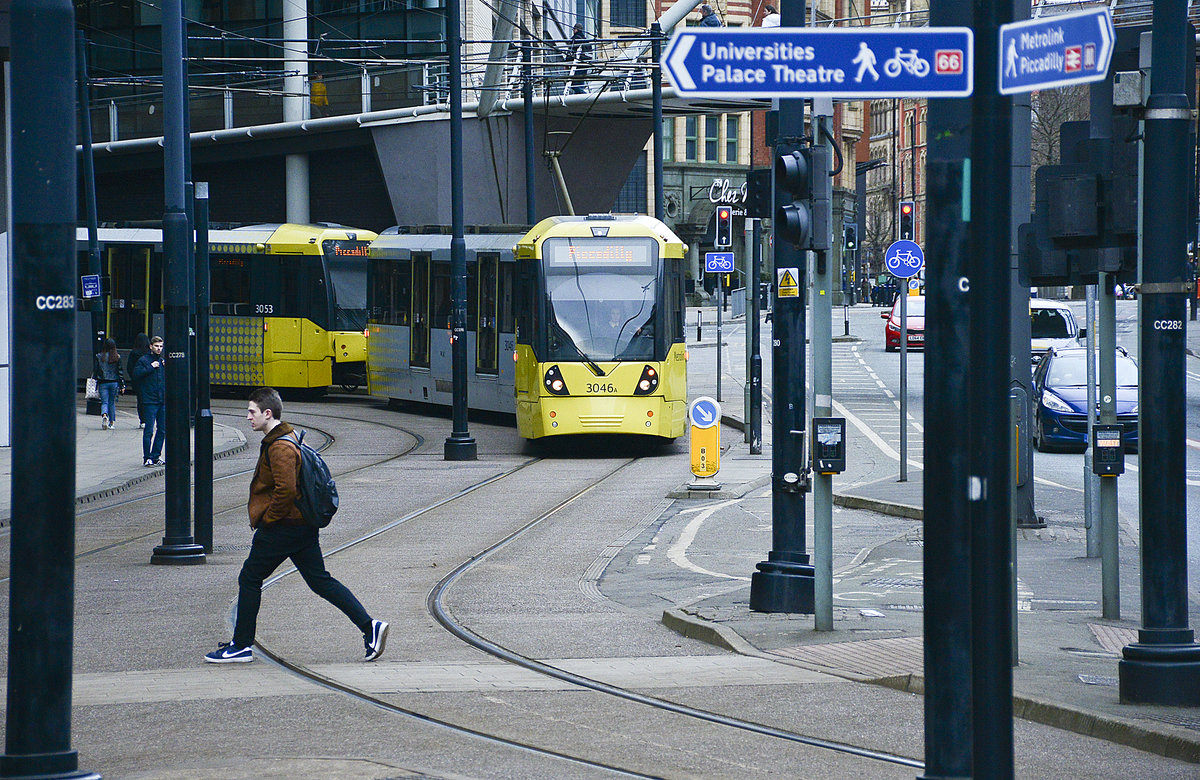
904	258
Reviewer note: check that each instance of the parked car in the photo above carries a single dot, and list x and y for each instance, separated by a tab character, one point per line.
915	321
1051	325
1060	400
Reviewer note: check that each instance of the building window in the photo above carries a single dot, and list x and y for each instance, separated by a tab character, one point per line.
712	127
668	140
632	198
731	137
627	13
689	137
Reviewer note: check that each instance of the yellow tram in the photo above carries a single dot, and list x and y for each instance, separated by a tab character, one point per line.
599	337
288	302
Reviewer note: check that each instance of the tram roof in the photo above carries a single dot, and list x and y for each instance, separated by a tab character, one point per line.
622	225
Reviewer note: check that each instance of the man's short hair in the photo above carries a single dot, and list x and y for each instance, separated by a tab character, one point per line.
268	398
156	340
707	8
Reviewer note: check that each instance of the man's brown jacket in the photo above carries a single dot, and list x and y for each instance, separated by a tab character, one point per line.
273	488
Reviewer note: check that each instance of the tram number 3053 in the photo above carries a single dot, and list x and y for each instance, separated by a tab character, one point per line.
601	388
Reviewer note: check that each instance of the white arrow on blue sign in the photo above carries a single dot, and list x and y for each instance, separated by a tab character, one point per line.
1055	51
704	412
858	62
718	262
904	258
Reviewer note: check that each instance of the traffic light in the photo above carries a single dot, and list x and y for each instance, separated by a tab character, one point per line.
850	237
724	227
758	193
908	214
803	176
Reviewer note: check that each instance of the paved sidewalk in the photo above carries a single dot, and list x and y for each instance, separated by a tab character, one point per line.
109	461
1067	676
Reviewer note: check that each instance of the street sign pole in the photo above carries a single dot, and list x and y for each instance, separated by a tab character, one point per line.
822	346
720	295
784	582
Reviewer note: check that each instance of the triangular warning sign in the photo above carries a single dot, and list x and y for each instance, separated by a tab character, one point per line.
787	280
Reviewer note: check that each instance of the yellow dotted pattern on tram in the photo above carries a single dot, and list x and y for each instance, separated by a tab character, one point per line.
236	351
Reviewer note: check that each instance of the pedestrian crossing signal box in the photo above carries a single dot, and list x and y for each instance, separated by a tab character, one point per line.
829	445
1108	456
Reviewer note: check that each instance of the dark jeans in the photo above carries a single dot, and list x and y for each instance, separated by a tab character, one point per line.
154	435
271	547
108	398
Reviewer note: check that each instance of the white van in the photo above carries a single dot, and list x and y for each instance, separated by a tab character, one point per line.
1051	325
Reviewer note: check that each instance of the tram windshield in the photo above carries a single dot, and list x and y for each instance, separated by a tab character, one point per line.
602	295
347	264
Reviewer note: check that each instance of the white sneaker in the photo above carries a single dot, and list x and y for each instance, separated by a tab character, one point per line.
104	422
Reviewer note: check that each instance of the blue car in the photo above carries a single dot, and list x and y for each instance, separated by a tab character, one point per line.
1060	398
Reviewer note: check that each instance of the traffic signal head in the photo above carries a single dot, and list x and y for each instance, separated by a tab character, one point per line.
850	237
908	217
724	227
794	174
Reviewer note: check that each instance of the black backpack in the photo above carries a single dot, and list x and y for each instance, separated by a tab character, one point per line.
316	492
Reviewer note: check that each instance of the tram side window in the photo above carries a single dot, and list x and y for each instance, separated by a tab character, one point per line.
507	296
487	345
674	300
390	290
419	335
230	285
440	292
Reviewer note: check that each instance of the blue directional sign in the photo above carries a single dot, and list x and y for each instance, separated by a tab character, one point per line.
91	285
718	262
704	412
858	62
904	258
1055	51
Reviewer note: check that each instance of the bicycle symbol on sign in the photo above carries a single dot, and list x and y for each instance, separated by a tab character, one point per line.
908	259
907	60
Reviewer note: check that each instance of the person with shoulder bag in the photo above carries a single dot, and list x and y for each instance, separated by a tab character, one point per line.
110	382
280	533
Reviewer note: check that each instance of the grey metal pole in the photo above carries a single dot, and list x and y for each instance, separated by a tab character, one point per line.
903	285
178	545
754	416
530	149
459	445
96	305
1091	492
41	617
822	348
720	336
1109	573
748	290
203	497
660	213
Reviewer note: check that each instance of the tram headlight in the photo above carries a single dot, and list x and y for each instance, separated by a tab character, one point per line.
648	382
554	382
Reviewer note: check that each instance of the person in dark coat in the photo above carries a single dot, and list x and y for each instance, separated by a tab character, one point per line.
141	347
151	377
708	17
110	382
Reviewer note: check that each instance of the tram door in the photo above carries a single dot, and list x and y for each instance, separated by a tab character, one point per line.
487	346
130	297
418	354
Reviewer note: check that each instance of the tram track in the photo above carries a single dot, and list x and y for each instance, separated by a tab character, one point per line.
435	605
105	506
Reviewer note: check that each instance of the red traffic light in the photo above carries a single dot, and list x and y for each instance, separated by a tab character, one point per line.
906	208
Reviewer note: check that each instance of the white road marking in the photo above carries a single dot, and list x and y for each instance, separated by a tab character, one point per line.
677	553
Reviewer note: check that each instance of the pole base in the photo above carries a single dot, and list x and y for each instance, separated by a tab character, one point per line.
460	449
783	587
1166	674
178	555
51	766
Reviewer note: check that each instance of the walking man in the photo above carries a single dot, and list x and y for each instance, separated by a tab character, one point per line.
149	375
281	533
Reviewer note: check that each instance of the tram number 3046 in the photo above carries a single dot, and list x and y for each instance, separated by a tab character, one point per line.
601	388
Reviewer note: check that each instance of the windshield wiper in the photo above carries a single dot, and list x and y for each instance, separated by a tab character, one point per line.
586	358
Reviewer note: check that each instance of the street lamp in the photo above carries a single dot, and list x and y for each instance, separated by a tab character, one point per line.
860	200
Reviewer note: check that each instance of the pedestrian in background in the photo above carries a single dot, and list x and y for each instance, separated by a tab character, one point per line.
318	96
151	378
110	382
141	346
281	532
771	17
708	17
581	52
